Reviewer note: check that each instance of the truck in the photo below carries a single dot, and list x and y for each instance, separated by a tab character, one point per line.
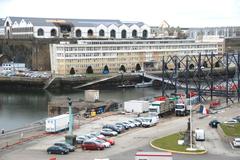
159	108
57	123
136	106
182	108
153	156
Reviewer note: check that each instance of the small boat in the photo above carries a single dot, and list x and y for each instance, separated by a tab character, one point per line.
143	84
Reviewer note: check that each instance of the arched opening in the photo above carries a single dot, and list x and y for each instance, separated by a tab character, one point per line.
78	33
113	34
101	33
124	34
122	68
217	64
40	32
8	24
90	33
53	32
191	66
89	70
138	67
205	65
134	33
145	34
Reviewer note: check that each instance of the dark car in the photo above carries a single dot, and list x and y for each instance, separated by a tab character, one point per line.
112	127
92	145
65	145
237	118
214	123
124	125
57	150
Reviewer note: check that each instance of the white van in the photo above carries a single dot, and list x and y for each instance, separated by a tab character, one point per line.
150	121
199	135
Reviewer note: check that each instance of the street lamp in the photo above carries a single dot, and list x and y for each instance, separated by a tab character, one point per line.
191	136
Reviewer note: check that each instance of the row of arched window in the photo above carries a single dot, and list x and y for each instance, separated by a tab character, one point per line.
101	33
40	32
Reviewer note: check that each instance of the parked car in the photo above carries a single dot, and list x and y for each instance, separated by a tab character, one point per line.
103	142
57	150
108	132
236	142
131	125
66	145
92	145
237	118
214	123
232	121
81	139
137	124
150	121
111	141
98	135
112	127
126	126
120	127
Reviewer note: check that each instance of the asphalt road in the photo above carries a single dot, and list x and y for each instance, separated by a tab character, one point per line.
128	143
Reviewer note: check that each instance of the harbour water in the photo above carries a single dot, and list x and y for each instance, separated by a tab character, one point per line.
20	108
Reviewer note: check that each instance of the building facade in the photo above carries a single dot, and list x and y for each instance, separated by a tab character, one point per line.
129	53
226	32
26	27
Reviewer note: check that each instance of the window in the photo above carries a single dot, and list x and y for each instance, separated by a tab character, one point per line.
40	32
78	33
113	34
101	33
8	24
134	33
53	32
145	34
124	34
90	33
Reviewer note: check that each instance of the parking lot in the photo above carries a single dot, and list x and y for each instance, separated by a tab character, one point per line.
131	141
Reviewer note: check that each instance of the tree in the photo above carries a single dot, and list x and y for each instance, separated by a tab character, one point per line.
122	68
138	67
89	70
72	71
105	70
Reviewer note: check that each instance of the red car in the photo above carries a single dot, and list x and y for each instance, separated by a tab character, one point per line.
111	141
92	145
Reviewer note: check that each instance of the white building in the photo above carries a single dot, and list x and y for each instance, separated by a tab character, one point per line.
129	53
226	32
26	27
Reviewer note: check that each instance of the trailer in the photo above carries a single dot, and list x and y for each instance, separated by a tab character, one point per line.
158	108
136	106
58	123
153	156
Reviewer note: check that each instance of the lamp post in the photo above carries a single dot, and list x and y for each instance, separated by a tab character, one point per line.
70	138
191	136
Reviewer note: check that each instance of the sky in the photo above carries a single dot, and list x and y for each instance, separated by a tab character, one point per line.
182	13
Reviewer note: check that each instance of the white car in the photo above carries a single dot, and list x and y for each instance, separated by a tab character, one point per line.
232	121
236	142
